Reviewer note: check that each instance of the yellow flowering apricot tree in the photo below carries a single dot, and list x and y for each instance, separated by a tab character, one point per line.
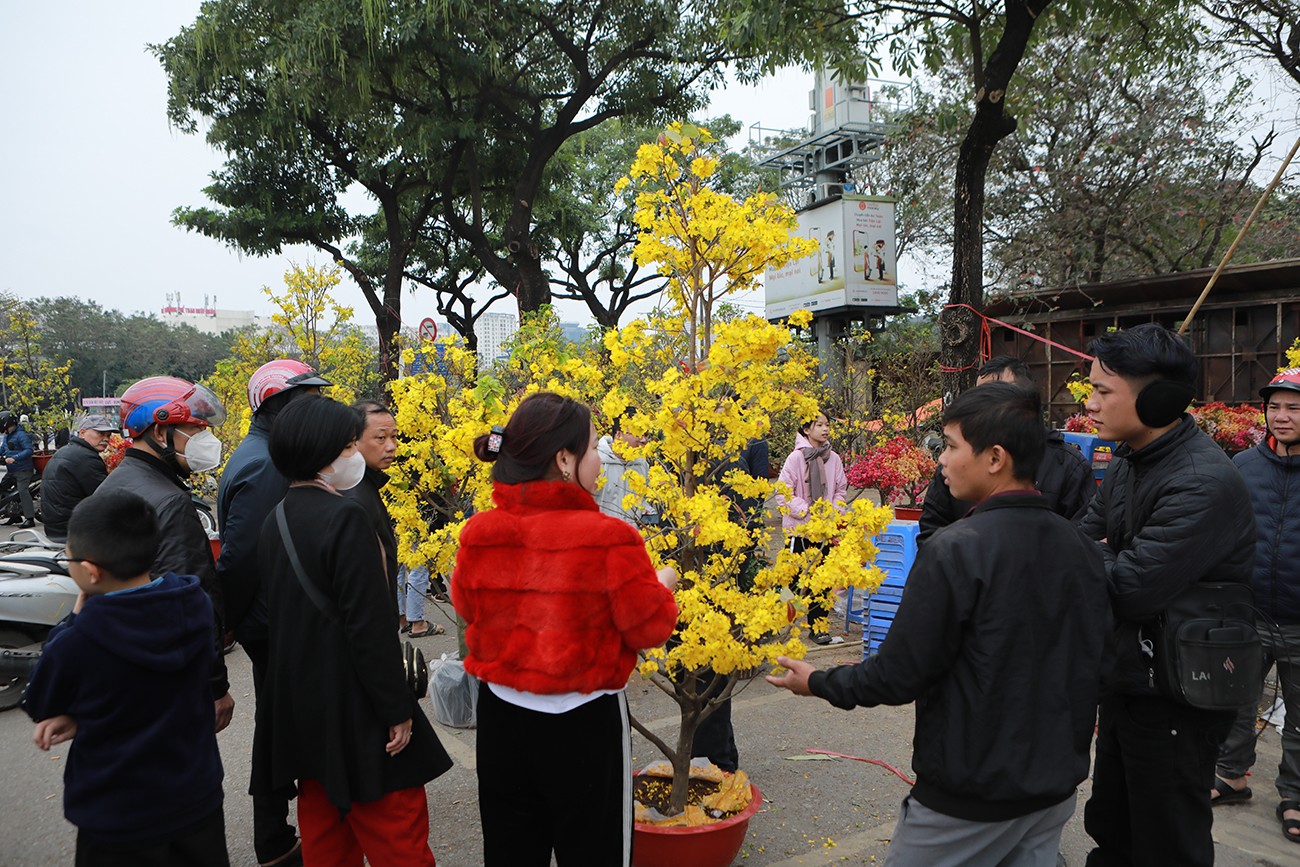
711	389
701	389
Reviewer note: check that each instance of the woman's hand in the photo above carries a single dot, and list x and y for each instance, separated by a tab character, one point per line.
398	737
668	577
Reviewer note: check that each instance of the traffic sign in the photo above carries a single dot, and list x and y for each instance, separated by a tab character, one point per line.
428	330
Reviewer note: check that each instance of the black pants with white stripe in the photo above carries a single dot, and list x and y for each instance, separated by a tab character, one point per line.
555	782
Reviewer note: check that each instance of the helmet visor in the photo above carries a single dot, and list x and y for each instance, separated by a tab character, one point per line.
204	406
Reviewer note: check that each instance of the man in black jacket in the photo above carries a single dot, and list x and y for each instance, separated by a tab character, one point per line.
1171	511
378	445
250	489
169	421
1271	471
999	640
75	472
1063	477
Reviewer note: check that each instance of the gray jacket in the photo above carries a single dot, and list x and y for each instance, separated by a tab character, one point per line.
612	493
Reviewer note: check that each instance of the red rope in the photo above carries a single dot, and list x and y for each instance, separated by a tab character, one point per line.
886	765
986	343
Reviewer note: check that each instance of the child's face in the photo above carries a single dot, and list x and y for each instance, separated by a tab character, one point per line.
80	574
819	431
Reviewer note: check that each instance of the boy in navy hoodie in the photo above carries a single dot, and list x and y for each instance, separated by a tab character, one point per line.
126	676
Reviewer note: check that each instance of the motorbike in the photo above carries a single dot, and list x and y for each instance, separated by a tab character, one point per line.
36	592
11	505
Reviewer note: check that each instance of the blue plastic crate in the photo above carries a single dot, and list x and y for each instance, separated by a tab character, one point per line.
883	606
1084	442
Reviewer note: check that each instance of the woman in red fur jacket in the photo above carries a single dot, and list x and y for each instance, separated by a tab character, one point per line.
557	599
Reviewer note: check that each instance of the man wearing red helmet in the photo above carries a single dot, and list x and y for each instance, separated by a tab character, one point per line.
250	488
1272	474
168	420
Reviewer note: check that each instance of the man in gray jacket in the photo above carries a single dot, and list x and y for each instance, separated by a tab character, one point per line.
1272	474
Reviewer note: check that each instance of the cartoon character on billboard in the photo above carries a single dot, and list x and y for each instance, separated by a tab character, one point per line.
878	256
830	252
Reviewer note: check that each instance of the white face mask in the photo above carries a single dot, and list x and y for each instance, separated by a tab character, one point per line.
345	473
203	451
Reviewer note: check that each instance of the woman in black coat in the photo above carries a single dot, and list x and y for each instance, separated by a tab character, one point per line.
336	713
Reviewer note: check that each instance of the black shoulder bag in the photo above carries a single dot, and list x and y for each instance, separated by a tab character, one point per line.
416	669
1208	652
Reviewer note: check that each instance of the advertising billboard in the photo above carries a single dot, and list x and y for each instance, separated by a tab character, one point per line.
854	268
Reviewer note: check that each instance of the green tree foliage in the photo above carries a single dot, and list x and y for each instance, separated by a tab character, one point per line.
109	349
32	381
1261	28
447	116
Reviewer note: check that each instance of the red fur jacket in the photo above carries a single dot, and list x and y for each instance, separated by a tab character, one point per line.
556	597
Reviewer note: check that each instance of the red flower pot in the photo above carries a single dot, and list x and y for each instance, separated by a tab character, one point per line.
712	845
907	513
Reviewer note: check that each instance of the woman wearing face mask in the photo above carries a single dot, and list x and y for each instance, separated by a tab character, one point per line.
335	715
557	599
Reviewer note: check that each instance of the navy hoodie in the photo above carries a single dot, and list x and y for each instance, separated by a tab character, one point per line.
132	669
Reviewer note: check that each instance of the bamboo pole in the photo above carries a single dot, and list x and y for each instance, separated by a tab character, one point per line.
1227	257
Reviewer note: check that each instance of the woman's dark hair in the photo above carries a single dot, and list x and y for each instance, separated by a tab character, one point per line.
545	423
1147	351
310	433
803	428
1002	414
115	530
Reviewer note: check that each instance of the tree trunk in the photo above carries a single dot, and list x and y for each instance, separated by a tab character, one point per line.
388	321
534	289
960	327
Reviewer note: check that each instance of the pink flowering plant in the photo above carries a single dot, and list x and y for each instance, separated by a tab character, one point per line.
1234	428
1080	423
898	468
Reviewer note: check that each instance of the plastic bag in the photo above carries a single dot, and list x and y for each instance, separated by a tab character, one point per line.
453	692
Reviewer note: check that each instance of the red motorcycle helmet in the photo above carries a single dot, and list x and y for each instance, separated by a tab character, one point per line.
279	376
1288	380
168	400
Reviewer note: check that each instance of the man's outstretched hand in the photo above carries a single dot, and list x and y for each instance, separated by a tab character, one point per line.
795	678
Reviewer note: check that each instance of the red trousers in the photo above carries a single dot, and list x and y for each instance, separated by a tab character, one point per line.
392	831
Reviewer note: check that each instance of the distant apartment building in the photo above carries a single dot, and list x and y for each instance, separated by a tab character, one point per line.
493	331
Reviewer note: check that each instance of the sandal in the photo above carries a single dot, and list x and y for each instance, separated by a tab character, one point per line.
1227	794
1289	825
434	629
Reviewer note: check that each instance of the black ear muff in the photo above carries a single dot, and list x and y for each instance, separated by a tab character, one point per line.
1163	402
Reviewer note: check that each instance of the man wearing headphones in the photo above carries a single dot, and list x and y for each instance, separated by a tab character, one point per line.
1272	474
1172	511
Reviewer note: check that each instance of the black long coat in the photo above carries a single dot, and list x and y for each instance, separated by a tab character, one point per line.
333	690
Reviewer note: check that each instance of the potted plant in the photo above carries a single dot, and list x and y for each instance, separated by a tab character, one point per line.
701	391
1234	428
898	468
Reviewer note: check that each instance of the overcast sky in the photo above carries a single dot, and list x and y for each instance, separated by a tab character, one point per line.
91	169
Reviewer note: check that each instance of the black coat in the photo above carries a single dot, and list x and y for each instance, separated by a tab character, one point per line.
332	690
250	488
1063	477
75	472
999	640
367	494
1274	485
183	547
1170	514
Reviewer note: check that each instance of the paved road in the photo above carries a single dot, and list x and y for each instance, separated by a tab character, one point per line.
817	812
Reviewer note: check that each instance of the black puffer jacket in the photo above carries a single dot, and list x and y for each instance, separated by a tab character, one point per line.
1064	478
367	494
1274	485
75	472
184	547
999	641
1170	514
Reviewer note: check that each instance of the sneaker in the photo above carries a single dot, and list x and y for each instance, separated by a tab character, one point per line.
825	638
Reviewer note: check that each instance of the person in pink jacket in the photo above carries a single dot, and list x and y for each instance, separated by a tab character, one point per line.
813	472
